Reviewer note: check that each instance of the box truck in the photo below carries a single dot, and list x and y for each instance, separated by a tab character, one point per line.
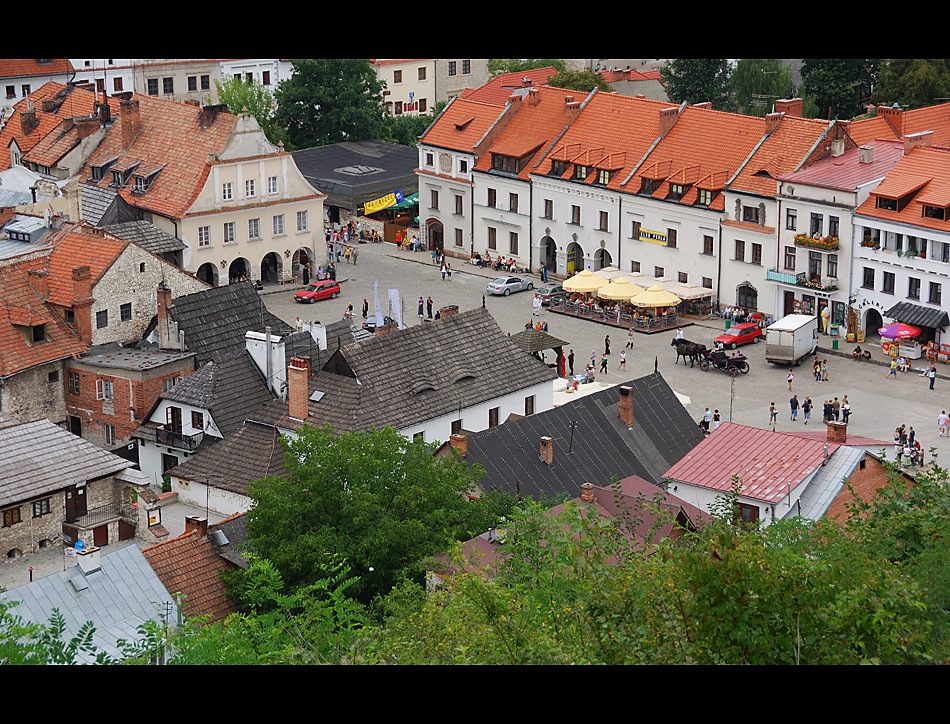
792	338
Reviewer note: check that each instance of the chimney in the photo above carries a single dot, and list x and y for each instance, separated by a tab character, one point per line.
194	522
789	106
668	118
772	121
82	303
924	139
39	280
533	97
88	560
298	400
705	105
572	110
525	82
103	110
894	118
837	432
131	121
626	405
27	122
866	154
86	126
459	443
837	147
547	450
587	492
386	328
449	310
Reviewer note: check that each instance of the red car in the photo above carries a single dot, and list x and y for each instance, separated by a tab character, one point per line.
326	289
740	334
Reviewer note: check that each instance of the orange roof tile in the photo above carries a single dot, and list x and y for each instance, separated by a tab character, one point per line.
23	67
904	123
75	246
461	125
21	306
188	564
171	136
498	90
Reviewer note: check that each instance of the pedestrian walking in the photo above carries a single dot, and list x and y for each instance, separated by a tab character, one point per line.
824	370
623	360
910	436
603	364
355	253
630	338
793	404
716	420
893	371
570	362
365	308
606	345
806	409
942	423
443	272
790	378
593	358
422	304
707	418
773	415
932	374
826	411
429	307
817	367
845	410
448	270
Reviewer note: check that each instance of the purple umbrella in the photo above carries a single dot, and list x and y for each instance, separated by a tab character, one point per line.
898	331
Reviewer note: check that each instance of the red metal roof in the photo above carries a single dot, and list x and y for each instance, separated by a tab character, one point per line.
768	464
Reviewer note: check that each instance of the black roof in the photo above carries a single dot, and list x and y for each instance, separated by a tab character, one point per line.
918	316
596	447
354	172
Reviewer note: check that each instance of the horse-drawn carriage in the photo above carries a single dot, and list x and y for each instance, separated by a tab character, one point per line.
721	361
692	351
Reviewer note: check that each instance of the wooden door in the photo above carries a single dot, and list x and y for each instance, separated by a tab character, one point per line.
100	536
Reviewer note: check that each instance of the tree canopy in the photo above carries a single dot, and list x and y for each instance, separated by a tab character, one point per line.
913	82
584	81
256	98
837	86
697	80
498	66
330	100
756	83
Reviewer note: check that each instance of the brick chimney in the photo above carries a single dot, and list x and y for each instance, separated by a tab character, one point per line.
705	105
837	432
27	122
193	522
130	120
668	118
547	450
587	492
894	118
82	303
772	121
86	126
572	110
459	443
386	328
39	280
626	405
789	106
449	310
924	139
298	402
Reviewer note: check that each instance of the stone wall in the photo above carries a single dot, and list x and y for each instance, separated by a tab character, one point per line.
33	394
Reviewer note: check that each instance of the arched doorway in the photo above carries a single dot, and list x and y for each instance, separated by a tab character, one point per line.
239	270
602	258
271	267
302	265
747	297
575	258
548	252
208	273
872	322
434	235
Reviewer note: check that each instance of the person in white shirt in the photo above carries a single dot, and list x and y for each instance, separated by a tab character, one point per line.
942	422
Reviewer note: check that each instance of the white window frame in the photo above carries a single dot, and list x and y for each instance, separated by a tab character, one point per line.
278	225
204	236
272	185
303	221
253	228
104	390
227	193
229	237
250	188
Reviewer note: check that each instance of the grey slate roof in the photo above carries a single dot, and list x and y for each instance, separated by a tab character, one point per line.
915	314
235	533
354	172
230	387
416	374
40	457
827	482
534	340
252	452
148	236
117	599
215	320
600	444
95	202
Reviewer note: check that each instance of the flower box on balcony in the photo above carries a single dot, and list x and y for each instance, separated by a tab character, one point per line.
822	243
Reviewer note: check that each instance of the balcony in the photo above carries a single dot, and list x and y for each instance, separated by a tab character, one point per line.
818	284
820	243
178	440
102	515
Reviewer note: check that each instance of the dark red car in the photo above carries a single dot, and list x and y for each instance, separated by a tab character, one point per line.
326	289
740	334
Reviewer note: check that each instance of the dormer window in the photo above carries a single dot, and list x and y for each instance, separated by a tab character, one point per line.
888	204
677	191
581	172
558	168
117	180
648	185
32	334
603	176
705	197
935	212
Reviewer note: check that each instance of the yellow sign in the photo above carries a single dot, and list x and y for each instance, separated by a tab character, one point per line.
384	202
654	236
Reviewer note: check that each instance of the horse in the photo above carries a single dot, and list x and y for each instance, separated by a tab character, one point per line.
687	350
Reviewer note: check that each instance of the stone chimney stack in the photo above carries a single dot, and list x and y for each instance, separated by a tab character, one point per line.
82	303
298	392
194	522
866	154
789	106
449	310
27	121
572	109
167	329
39	280
911	141
131	121
88	560
547	450
587	492
626	405
772	121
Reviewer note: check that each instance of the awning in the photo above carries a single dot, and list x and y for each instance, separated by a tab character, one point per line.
534	340
918	316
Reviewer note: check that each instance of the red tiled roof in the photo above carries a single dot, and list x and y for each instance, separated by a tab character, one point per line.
172	137
924	172
75	246
498	90
614	76
22	67
188	564
904	123
768	464
20	305
461	125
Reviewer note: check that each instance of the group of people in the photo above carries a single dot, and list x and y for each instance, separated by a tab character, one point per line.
499	263
711	420
906	445
857	354
740	316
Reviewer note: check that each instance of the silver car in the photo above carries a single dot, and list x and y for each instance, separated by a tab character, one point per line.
507	285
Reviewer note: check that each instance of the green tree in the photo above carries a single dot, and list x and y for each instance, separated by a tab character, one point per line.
330	100
913	82
499	66
380	500
697	80
838	85
584	81
406	129
757	83
256	98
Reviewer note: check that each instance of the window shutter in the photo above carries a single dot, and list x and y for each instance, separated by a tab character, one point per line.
99	392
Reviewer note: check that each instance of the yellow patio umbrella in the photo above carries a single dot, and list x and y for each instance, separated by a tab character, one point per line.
621	289
656	297
584	282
